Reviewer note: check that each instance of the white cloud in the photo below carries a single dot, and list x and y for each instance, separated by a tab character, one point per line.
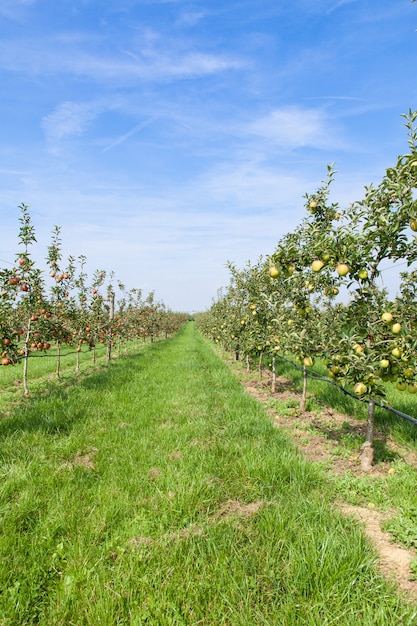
66	55
294	127
250	187
191	18
67	120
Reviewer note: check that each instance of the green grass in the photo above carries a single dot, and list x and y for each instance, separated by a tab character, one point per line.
42	369
396	438
157	492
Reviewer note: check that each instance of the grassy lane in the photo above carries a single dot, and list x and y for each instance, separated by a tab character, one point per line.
157	492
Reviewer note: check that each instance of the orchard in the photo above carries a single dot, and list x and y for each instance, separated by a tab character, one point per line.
318	295
56	311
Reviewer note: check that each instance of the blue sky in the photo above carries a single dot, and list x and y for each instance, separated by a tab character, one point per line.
167	137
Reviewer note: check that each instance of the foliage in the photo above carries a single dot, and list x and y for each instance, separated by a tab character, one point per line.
323	298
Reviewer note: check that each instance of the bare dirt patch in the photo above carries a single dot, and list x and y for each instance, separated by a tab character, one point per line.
319	435
394	561
227	512
233	508
154	473
85	459
175	455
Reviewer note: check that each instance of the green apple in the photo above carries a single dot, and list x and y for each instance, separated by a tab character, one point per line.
360	389
386	317
317	265
396	328
342	269
363	274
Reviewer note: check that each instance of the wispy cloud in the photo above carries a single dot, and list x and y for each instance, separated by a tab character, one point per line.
339	4
71	56
68	119
190	18
293	127
130	133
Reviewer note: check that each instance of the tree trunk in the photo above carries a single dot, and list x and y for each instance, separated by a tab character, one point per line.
247	363
274	377
25	361
303	401
109	334
58	359
260	365
367	453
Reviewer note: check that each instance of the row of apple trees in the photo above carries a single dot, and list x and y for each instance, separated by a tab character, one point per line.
44	312
319	294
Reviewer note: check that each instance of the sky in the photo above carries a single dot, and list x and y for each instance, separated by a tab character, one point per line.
168	137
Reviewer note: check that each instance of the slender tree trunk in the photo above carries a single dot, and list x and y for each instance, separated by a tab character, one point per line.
111	318
58	359
274	376
303	401
260	365
25	361
94	354
77	363
247	363
367	453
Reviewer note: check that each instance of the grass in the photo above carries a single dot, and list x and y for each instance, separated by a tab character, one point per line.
157	492
393	491
42	369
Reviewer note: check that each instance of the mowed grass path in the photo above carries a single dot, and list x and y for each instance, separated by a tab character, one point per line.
157	492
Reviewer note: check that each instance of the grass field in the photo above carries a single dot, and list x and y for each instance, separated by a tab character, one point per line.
156	491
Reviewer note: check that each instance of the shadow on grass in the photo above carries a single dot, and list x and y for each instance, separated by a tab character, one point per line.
59	405
386	422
